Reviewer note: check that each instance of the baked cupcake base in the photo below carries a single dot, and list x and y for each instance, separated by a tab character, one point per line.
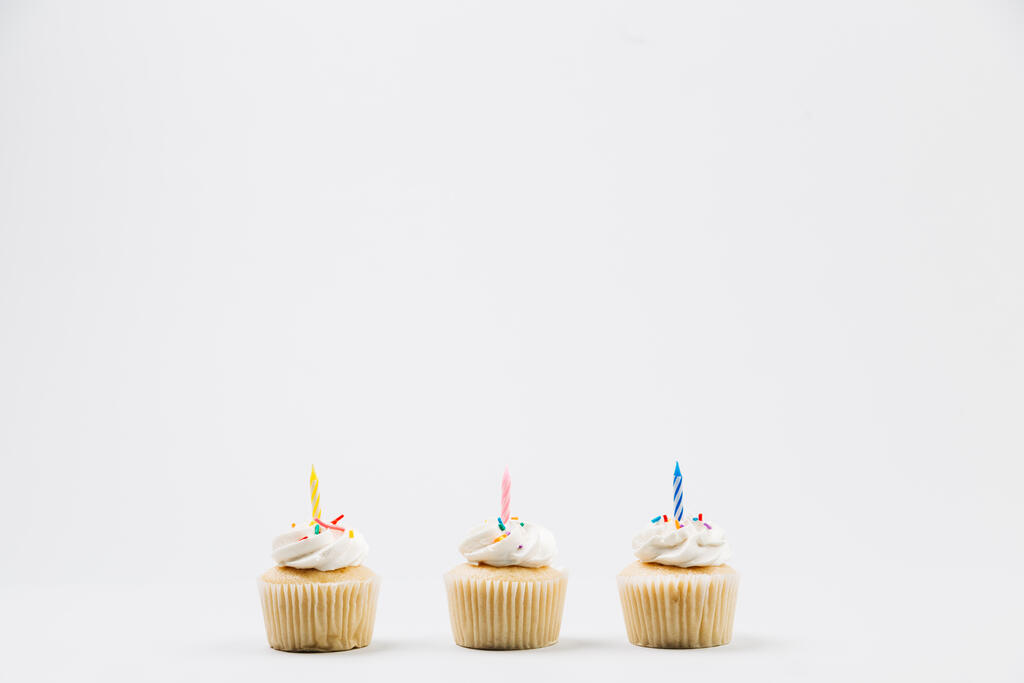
505	608
307	610
678	607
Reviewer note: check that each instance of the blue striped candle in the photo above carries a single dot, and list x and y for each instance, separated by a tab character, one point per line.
677	493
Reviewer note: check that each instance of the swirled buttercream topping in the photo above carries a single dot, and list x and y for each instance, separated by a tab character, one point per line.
517	545
302	548
693	544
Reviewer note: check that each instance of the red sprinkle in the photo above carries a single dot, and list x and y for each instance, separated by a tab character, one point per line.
335	520
700	517
665	517
304	538
323	523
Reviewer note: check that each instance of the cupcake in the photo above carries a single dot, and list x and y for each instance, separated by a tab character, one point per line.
319	597
680	593
506	596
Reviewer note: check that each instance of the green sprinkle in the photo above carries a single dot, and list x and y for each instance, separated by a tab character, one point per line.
316	530
521	524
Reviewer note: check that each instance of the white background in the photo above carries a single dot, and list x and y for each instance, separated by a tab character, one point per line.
415	242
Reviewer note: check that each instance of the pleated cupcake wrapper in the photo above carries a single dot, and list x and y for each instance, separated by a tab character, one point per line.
319	617
694	610
505	615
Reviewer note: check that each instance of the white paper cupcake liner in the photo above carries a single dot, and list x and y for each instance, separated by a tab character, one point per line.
319	617
497	614
680	609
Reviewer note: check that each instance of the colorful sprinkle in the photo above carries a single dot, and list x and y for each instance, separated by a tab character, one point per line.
519	548
304	538
497	539
329	526
665	517
316	530
707	525
293	525
677	523
695	519
521	524
325	524
700	517
335	520
514	518
501	525
655	520
351	534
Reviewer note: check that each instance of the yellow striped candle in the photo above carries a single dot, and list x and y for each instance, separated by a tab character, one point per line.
314	494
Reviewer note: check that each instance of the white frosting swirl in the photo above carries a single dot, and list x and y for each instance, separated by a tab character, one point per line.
693	544
325	551
525	545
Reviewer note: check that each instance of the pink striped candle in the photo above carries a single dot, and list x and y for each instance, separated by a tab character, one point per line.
506	495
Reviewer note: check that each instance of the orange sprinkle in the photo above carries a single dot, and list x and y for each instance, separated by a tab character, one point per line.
498	538
677	523
513	518
293	525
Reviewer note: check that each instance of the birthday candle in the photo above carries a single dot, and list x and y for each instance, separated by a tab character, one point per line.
506	494
677	493
314	494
